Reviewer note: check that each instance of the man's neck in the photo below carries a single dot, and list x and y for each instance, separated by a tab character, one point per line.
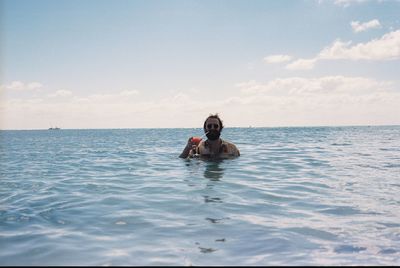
214	144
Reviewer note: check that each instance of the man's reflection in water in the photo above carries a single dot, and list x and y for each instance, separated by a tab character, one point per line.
213	170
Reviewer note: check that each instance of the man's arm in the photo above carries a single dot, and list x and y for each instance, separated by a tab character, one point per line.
186	151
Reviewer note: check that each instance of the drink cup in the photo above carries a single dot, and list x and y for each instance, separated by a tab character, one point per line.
196	140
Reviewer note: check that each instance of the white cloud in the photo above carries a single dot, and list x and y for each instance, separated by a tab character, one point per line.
346	3
110	98
15	85
34	85
277	58
385	48
302	64
60	93
21	86
328	100
129	93
362	27
327	85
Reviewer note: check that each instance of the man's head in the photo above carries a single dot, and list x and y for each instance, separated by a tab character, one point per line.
213	127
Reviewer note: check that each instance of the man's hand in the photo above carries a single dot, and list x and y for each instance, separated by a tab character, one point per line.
191	144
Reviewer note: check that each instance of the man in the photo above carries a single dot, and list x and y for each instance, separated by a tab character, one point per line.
214	147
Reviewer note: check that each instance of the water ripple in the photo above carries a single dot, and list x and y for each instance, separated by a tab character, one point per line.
304	196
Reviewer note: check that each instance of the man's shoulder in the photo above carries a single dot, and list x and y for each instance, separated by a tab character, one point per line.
231	148
228	143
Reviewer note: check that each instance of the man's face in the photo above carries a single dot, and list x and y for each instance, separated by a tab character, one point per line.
213	129
212	124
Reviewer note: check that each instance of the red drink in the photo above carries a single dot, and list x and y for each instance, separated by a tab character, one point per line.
196	140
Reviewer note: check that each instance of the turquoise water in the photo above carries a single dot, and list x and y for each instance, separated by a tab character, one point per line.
295	196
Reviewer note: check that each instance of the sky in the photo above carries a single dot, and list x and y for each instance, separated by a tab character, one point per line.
169	64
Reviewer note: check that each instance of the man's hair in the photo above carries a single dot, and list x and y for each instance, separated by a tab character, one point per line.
214	116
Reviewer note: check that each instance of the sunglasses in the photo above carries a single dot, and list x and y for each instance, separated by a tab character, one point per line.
210	126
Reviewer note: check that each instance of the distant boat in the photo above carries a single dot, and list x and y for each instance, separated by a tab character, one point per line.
54	128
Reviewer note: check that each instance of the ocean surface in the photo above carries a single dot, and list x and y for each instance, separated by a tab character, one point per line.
295	196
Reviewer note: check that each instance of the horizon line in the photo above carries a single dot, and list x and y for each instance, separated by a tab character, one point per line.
250	126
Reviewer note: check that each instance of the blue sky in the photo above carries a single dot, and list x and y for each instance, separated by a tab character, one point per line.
127	64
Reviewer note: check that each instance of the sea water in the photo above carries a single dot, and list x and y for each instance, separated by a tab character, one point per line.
295	196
